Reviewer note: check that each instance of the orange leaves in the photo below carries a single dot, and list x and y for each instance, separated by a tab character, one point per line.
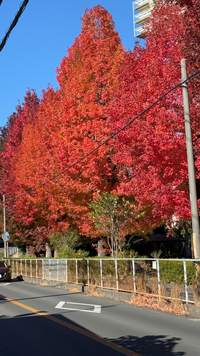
67	125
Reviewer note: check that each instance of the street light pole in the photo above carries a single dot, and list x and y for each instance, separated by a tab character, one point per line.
191	167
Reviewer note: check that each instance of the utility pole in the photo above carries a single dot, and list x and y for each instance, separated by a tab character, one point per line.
4	224
191	168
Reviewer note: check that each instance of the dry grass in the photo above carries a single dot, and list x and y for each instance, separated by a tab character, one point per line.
176	296
74	290
147	296
108	282
154	303
196	292
140	286
92	291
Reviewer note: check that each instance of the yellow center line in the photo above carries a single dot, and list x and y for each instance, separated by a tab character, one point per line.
86	333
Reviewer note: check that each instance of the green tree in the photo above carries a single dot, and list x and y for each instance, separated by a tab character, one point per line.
69	237
66	242
111	215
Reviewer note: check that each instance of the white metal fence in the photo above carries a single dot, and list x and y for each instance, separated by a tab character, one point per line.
116	273
11	250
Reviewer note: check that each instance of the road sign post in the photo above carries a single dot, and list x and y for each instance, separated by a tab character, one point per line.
5	237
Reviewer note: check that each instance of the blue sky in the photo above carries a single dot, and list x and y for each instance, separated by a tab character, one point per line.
40	40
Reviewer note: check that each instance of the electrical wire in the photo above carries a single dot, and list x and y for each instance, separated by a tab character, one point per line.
108	139
13	24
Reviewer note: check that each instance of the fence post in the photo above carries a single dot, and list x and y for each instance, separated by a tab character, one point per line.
50	270
134	283
88	272
36	271
66	272
158	274
21	267
31	268
13	265
76	272
116	275
101	273
57	270
42	269
185	279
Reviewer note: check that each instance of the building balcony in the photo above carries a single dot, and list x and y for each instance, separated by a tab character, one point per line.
141	5
141	12
141	17
139	32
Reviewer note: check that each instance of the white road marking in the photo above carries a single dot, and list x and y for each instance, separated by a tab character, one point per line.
195	320
6	284
97	308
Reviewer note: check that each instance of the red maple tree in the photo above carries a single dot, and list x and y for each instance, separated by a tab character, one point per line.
25	115
152	151
71	122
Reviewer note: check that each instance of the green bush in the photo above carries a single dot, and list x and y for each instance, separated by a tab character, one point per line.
94	269
67	238
172	271
67	252
109	268
127	254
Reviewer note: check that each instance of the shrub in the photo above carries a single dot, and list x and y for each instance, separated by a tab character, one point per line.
127	254
172	271
67	238
67	252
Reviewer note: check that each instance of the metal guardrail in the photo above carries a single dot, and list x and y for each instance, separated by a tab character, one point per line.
119	274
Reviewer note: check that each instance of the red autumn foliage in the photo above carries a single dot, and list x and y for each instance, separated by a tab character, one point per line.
97	96
88	78
70	123
152	151
190	38
26	114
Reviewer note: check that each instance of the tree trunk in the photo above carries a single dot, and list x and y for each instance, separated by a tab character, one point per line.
30	251
56	253
100	249
48	250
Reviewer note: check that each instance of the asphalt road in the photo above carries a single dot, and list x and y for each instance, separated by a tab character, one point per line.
38	320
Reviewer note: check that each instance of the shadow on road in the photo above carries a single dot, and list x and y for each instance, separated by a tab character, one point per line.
40	297
159	345
31	334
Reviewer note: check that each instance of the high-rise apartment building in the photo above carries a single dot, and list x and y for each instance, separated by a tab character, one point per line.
141	12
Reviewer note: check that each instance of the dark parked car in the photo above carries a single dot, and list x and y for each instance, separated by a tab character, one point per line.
5	274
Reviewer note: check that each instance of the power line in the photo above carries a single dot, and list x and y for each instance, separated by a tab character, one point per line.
14	22
109	138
